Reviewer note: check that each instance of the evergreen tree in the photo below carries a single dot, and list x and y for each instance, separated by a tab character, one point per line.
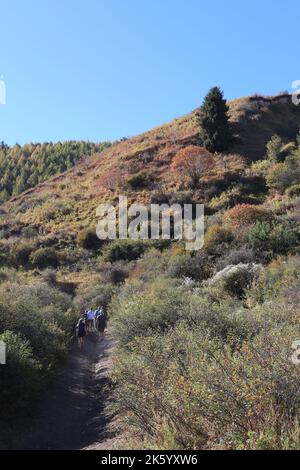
274	147
215	134
24	167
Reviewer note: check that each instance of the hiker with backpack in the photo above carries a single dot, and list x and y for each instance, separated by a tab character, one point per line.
101	324
81	332
97	313
90	319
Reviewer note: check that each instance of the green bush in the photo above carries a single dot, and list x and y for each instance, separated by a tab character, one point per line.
37	324
280	275
39	313
21	252
124	250
198	267
276	238
231	197
156	309
29	232
44	258
236	279
239	281
93	295
274	149
20	377
187	390
293	190
283	175
139	181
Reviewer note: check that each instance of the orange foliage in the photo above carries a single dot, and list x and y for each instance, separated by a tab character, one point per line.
193	162
246	214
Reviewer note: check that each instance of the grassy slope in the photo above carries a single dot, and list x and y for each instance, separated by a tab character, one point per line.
68	201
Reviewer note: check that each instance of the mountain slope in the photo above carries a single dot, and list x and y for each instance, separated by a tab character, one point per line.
231	308
68	201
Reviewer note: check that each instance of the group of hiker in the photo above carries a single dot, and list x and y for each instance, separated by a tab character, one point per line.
91	320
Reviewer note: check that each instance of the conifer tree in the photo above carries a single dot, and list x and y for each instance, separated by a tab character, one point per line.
274	148
215	134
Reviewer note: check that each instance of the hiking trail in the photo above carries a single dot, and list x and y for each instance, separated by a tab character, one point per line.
71	414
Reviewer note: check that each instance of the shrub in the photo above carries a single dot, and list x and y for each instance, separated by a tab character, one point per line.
230	198
88	239
236	279
217	238
44	258
260	168
124	250
293	190
279	276
29	232
93	295
193	163
39	325
38	313
74	256
116	273
278	238
279	177
181	197
246	214
196	393
274	148
183	265
21	375
244	255
178	197
284	175
204	372
49	277
20	253
160	197
139	181
51	210
155	309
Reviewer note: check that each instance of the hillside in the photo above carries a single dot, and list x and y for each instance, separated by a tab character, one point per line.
77	192
23	167
204	356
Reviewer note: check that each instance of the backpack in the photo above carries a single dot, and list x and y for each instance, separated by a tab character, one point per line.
81	327
102	321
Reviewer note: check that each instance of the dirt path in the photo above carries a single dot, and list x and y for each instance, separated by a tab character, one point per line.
72	413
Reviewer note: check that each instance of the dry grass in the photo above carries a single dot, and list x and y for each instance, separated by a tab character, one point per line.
254	120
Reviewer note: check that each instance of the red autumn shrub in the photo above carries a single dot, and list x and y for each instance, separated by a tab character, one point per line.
246	214
193	163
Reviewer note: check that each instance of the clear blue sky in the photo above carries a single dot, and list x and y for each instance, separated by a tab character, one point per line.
103	69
